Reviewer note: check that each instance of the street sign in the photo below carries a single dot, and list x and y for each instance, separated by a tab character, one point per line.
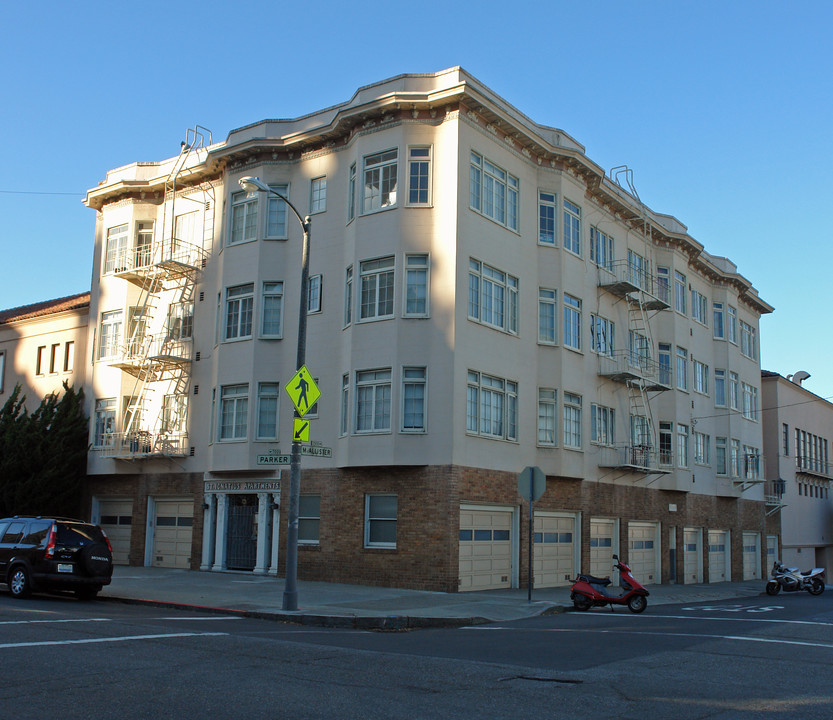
273	460
301	430
303	391
316	451
531	483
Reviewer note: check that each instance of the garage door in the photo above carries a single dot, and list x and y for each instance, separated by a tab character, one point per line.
718	556
751	556
554	553
172	533
771	551
643	552
485	549
116	519
693	556
602	534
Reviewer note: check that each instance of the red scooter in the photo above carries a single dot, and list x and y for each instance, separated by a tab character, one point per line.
589	591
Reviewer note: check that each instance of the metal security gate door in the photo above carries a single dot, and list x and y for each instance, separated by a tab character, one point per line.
241	538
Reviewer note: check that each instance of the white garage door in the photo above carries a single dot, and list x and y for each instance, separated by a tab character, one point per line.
172	533
116	519
554	552
601	546
643	552
718	556
751	556
693	555
485	549
771	551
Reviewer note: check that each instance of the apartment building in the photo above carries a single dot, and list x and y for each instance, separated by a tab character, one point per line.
797	425
483	297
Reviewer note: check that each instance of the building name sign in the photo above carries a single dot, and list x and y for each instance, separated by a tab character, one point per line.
242	486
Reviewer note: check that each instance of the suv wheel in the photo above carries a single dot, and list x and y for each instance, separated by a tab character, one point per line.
19	582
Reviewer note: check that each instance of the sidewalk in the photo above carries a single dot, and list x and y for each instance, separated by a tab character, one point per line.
337	605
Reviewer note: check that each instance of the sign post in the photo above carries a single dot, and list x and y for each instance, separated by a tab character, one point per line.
531	485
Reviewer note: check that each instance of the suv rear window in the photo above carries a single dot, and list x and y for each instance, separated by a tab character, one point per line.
38	530
78	535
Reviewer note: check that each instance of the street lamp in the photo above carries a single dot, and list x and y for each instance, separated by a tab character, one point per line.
290	590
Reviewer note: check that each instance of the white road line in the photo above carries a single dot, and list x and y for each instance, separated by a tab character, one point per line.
771	621
213	617
124	638
42	622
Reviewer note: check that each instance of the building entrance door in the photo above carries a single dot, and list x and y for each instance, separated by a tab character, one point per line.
241	537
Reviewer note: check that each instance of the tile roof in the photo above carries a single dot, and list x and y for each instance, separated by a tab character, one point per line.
47	307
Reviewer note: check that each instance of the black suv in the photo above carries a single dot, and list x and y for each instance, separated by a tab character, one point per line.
38	553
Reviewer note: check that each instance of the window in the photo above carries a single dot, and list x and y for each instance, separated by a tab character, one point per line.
717	318
416	285
314	294
748	346
413	399
719	387
186	230
572	227
234	411
785	439
601	248
720	457
493	297
53	358
601	335
2	370
750	401
731	324
491	406
699	307
546	316
115	255
379	188
318	195
682	446
373	400
380	521
243	217
639	271
639	350
239	307
602	425
733	391
271	322
344	425
144	244
376	288
664	284
734	458
701	448
546	218
701	378
682	368
494	192
752	464
309	519
572	322
665	363
351	194
40	361
267	411
419	176
276	214
666	452
546	416
679	292
572	420
640	436
111	334
105	422
348	296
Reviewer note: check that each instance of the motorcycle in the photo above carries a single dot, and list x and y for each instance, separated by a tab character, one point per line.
792	580
589	591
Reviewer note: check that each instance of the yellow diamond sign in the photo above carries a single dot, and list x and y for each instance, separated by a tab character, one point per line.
303	391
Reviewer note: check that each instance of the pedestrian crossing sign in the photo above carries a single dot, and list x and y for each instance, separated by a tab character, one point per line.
303	391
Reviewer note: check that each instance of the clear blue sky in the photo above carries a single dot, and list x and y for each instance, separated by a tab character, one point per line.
722	110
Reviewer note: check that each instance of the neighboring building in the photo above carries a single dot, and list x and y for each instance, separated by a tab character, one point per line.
483	298
797	429
42	346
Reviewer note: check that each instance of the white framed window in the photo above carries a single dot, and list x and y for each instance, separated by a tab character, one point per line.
682	368
314	292
752	463
572	227
380	172
572	321
380	521
413	399
748	346
318	195
53	358
493	297
268	402
732	324
640	428
679	292
734	387
494	192
547	330
376	289
750	401
174	414
571	406
243	217
348	296
373	394
682	445
664	284
547	409
144	244
666	443
234	412
734	458
309	519
115	254
419	176
701	377
276	214
602	333
701	448
2	371
602	425
491	406
664	358
720	387
271	321
351	193
110	334
180	321
546	218
720	456
699	307
601	248
344	426
416	285
40	360
69	360
639	349
717	321
104	422
639	270
239	311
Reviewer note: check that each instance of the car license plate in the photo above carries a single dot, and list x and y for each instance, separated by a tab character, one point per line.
64	567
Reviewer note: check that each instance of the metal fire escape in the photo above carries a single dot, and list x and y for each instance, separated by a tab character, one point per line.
165	264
